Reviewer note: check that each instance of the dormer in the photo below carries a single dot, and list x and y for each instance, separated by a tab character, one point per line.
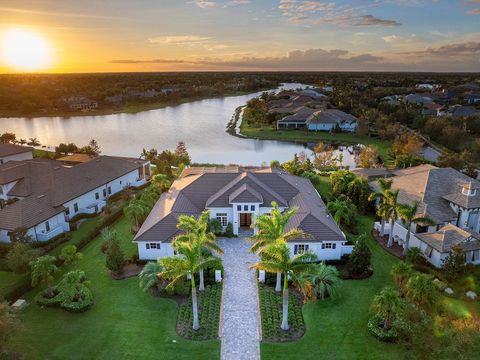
469	189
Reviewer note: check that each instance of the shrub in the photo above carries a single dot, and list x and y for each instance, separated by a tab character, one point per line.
375	327
215	226
20	256
415	256
51	244
359	260
454	264
115	260
229	230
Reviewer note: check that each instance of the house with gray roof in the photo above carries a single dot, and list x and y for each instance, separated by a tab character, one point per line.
329	119
42	195
11	152
451	200
237	195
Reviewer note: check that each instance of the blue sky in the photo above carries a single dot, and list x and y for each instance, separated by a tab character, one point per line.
148	35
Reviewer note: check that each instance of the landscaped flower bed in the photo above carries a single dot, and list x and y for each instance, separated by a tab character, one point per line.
271	315
209	302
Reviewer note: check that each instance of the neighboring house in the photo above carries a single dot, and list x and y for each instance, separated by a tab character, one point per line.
372	173
329	119
313	93
46	194
11	152
430	87
80	103
463	111
238	195
114	99
448	197
297	120
472	98
417	99
431	109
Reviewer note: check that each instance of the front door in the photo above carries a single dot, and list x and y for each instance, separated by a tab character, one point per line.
245	219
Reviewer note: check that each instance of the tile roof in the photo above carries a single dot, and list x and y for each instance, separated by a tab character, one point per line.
331	116
191	194
450	235
11	149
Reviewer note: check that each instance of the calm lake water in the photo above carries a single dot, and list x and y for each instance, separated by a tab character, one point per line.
200	124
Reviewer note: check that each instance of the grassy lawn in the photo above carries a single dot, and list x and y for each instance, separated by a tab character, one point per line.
124	322
311	136
9	280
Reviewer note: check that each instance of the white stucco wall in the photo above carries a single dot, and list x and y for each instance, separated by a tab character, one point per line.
323	254
17	157
165	250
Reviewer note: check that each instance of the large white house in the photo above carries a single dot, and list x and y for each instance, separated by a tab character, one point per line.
238	195
449	198
11	152
42	195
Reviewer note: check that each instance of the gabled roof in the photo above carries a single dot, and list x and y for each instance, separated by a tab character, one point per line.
194	193
11	149
331	116
450	235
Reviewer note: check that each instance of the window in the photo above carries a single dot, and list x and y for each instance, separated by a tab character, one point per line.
245	207
75	207
153	246
104	192
109	190
97	196
252	207
47	226
222	217
329	245
239	207
175	252
428	251
67	211
120	182
300	249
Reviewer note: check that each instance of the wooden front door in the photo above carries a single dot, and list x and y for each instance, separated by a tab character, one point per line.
245	219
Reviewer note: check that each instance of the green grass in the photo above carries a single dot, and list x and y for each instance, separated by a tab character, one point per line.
124	323
9	280
312	136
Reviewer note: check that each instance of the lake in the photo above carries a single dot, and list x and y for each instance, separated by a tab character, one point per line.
200	124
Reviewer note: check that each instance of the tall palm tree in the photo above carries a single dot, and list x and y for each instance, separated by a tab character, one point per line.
359	191
342	211
408	213
136	211
401	272
197	230
149	276
276	258
392	205
272	229
187	263
386	304
318	281
379	196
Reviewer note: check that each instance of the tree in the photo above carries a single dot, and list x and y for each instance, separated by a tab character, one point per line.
7	138
187	263
401	272
43	270
359	260
149	276
276	258
136	211
450	159
319	281
386	304
33	142
197	230
342	211
93	148
182	154
272	229
115	260
323	157
408	213
380	197
20	257
391	210
368	157
70	256
454	263
358	190
161	181
421	290
340	180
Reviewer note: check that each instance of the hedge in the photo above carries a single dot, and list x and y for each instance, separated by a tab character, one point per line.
81	216
54	242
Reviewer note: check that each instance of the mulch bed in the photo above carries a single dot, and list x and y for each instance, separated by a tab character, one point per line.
395	249
129	271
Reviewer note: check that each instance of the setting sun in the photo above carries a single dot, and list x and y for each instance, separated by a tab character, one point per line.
25	50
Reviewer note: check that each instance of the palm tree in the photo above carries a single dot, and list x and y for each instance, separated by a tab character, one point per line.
408	213
340	180
197	230
187	263
359	191
319	281
161	181
401	272
43	270
136	211
149	276
342	211
421	290
392	206
276	258
386	304
379	196
272	229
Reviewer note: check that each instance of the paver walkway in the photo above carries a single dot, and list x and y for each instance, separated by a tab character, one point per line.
240	314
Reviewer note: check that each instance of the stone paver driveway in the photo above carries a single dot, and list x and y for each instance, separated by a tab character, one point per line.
240	335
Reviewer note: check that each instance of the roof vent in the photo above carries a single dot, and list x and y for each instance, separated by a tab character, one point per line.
40	196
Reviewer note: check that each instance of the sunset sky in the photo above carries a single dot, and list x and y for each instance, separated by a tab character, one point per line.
171	35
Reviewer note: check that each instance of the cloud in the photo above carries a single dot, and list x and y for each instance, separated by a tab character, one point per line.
473	12
148	61
205	4
469	49
179	39
370	20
